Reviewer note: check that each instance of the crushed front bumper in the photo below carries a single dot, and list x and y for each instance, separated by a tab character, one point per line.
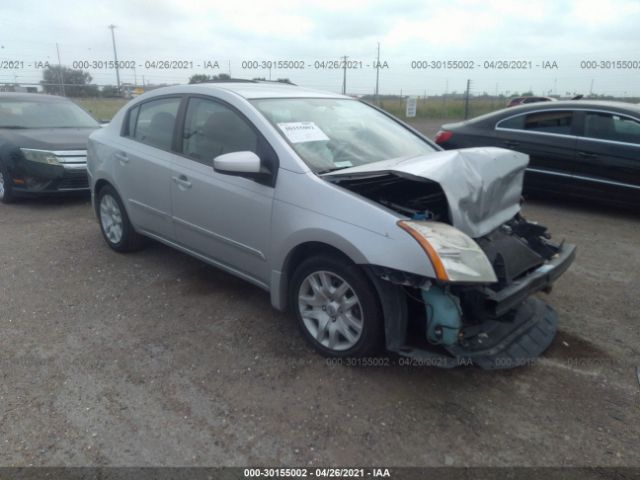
514	329
501	345
500	302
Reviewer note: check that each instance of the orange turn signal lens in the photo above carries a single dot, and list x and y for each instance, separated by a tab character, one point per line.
436	262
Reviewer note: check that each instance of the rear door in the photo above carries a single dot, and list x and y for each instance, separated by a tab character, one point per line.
549	138
143	164
225	218
608	156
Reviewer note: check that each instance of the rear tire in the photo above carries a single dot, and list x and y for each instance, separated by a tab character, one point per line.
6	186
337	309
115	224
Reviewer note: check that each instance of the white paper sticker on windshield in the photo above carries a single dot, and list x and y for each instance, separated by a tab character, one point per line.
343	164
301	132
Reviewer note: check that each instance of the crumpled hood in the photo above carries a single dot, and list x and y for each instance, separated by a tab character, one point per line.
483	185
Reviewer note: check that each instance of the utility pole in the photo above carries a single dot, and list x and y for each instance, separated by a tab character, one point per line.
115	55
378	76
60	79
344	75
466	100
444	98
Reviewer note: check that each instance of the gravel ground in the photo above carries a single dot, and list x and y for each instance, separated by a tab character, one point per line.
155	358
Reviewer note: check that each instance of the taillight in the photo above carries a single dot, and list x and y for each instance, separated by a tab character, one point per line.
443	135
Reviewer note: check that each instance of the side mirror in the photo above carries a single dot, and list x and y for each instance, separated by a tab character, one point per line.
237	163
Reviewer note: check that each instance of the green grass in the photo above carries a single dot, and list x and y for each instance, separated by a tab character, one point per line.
101	108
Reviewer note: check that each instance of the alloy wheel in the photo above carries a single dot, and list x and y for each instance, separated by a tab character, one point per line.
330	310
111	219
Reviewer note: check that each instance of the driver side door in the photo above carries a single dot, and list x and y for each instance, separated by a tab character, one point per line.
224	218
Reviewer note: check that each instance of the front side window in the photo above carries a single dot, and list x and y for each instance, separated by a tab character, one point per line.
212	129
155	122
609	126
331	134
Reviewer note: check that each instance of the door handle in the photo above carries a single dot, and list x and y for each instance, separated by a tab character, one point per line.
182	181
586	155
510	144
122	157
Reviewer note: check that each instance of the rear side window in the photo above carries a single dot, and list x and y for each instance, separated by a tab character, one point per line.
558	122
609	126
549	122
153	122
212	129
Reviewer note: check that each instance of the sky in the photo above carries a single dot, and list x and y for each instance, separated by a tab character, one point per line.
557	42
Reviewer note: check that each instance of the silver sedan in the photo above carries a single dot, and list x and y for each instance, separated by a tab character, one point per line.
368	232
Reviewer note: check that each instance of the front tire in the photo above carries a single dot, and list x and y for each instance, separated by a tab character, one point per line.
6	186
336	307
114	222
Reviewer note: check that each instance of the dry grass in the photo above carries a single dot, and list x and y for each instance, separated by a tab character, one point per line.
102	109
443	107
431	108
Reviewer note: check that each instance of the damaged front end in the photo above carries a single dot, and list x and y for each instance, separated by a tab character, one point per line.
487	260
494	324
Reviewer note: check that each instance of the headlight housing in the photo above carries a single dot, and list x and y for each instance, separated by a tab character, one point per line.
40	156
455	256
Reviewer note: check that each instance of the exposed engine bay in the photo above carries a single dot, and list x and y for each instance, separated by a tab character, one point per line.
417	199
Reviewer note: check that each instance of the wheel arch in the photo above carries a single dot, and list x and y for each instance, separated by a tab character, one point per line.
280	279
99	185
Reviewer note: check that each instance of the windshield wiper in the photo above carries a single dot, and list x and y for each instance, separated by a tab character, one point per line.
14	127
329	170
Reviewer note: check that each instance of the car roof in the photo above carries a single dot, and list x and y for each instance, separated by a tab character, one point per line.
250	90
497	115
36	97
576	104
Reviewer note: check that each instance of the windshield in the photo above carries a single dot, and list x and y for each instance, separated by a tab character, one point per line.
34	114
330	134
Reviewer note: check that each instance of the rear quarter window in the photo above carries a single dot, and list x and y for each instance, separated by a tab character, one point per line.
513	122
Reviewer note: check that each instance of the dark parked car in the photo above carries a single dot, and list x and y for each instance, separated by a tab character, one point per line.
512	102
586	149
43	145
